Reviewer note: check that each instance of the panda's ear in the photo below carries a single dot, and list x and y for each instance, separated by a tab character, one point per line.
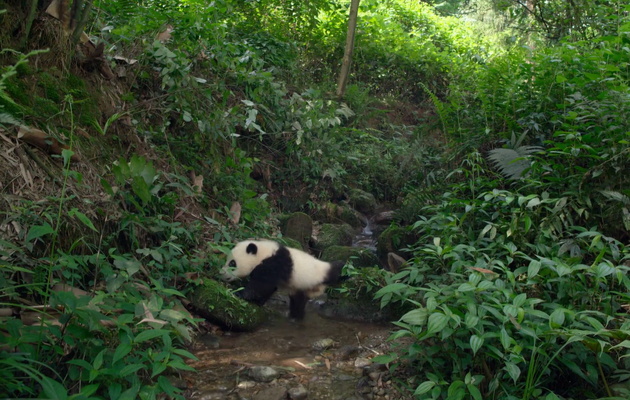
252	248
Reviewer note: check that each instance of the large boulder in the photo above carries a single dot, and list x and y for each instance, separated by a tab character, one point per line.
362	201
336	214
361	257
214	302
299	226
333	235
393	240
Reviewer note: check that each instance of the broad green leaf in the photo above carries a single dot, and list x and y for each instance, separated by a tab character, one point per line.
556	319
424	387
437	322
431	303
453	388
53	389
148	335
384	359
131	369
513	370
506	341
475	343
131	393
416	317
38	231
390	288
83	218
466	287
121	351
534	267
560	78
474	392
519	300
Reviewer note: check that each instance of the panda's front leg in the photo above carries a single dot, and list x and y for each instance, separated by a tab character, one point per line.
297	304
258	291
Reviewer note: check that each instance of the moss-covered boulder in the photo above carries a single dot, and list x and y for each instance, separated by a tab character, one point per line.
214	302
356	302
333	235
362	257
337	214
299	227
362	201
392	240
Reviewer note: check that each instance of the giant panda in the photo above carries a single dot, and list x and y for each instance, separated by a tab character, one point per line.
271	266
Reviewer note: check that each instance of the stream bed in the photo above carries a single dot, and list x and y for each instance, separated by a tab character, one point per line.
231	365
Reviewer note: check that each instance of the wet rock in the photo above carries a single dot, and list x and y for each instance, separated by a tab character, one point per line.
322	344
275	393
344	377
334	235
210	340
385	217
346	352
395	262
299	227
392	240
362	362
246	385
214	301
335	213
363	201
363	257
298	393
177	382
261	373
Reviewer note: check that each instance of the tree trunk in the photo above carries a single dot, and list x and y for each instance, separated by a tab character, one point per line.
347	57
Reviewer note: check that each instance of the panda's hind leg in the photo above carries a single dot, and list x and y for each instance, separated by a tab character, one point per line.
297	305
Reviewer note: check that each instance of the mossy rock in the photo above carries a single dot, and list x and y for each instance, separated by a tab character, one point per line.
335	214
299	227
358	304
334	235
362	201
290	243
392	240
363	257
214	302
282	222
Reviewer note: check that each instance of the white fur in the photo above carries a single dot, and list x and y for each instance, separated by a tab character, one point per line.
307	275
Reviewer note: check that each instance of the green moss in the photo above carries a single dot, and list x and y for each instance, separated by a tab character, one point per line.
333	234
45	108
214	301
361	258
17	90
51	86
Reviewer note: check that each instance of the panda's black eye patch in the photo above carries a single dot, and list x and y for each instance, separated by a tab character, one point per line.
232	264
252	249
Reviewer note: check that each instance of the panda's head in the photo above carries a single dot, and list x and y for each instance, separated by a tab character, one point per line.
246	256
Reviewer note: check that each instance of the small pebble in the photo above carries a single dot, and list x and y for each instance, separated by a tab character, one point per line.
374	375
361	362
298	393
246	385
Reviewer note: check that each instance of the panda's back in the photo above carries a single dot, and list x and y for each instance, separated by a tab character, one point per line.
307	271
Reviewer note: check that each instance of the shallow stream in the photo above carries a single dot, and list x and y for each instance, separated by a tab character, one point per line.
316	358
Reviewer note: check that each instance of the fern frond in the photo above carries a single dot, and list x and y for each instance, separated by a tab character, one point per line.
7	119
513	162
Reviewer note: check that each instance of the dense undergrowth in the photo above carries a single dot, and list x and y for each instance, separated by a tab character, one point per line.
507	161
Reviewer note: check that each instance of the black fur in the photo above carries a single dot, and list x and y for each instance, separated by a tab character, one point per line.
251	249
267	276
297	305
334	273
